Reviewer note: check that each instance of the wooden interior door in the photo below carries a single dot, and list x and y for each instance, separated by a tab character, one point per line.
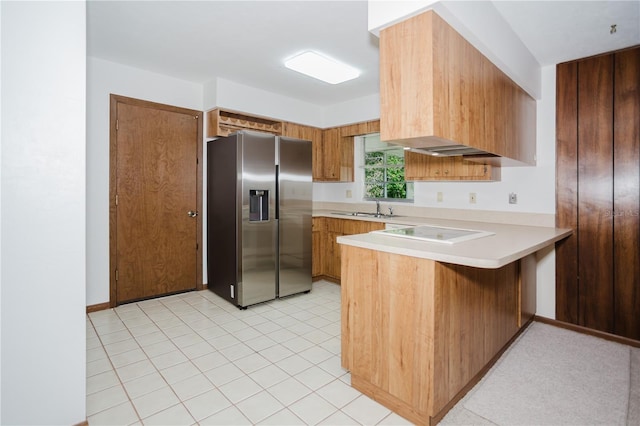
156	201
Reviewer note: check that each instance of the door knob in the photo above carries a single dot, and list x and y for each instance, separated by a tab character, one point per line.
192	213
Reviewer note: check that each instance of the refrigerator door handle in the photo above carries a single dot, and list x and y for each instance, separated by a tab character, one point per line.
277	192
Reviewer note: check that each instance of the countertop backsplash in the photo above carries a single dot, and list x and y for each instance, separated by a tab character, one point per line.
402	209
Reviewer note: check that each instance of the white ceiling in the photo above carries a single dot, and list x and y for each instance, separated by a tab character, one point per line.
247	41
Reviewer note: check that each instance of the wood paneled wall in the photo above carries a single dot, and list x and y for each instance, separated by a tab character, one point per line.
598	192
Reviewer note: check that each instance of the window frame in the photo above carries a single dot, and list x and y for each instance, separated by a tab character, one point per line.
389	149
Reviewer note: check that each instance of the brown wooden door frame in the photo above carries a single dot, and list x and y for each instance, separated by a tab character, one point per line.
114	101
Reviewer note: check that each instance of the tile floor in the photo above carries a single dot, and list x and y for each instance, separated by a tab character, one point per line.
194	358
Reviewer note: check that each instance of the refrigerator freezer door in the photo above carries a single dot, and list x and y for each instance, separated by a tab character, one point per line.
258	232
295	198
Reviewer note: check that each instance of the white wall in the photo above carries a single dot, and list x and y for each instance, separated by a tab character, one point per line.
546	288
228	94
480	23
0	215
43	213
354	111
105	78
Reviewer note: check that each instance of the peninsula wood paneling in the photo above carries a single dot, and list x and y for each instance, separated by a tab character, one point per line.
415	332
387	324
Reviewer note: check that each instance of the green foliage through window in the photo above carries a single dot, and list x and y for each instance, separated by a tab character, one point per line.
384	171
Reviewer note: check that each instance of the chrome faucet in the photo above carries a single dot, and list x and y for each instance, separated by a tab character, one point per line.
378	208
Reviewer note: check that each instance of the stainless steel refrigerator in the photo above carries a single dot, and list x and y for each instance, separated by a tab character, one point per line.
259	189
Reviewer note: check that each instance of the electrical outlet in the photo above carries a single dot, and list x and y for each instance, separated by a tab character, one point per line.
349	194
439	197
472	197
513	198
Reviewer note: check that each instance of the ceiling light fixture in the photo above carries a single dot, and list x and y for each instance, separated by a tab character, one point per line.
318	66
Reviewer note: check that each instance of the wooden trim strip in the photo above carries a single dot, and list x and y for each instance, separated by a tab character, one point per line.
82	423
98	307
588	331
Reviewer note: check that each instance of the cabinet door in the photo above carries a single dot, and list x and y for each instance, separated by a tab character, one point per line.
352	227
331	155
332	255
299	131
314	135
319	230
339	227
317	253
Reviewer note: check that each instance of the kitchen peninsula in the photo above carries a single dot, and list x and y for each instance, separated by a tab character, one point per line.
423	321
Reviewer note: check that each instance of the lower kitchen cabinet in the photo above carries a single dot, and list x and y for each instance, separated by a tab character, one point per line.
326	250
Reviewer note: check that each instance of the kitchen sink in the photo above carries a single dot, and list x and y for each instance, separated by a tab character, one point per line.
366	214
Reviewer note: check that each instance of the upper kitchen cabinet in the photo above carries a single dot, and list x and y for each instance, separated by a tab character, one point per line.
438	92
333	164
420	167
359	129
335	155
299	131
312	134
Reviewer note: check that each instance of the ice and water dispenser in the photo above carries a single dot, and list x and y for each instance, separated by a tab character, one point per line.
258	205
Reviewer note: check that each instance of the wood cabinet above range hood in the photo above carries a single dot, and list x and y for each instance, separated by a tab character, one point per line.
439	94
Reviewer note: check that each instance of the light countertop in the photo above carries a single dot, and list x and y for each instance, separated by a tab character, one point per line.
507	244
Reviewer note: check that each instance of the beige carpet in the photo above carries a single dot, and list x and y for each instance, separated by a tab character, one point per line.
553	376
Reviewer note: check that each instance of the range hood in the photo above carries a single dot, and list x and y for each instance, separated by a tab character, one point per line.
440	96
440	147
451	151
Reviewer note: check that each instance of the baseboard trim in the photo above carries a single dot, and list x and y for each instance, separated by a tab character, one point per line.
588	331
107	305
83	423
98	307
325	278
